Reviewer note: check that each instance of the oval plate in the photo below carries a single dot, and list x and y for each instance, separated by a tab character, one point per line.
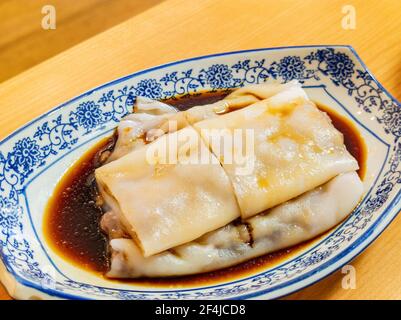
33	159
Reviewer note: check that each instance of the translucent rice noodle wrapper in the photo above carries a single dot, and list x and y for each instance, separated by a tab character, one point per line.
181	218
288	224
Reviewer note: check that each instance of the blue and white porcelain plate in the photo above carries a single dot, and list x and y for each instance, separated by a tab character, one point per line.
33	159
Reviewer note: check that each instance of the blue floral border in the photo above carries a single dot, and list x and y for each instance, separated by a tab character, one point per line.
54	136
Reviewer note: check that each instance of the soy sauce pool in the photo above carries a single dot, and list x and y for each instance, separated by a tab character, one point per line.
72	217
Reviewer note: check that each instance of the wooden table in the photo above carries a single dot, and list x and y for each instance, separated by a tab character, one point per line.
23	42
178	29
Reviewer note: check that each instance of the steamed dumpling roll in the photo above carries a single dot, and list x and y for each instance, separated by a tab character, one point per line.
163	203
151	118
292	148
288	224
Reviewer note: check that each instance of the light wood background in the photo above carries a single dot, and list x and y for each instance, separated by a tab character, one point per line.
23	42
178	29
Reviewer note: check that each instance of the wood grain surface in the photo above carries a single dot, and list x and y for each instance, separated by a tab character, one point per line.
178	29
24	43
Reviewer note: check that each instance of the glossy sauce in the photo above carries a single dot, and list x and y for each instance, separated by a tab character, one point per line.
72	216
71	223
